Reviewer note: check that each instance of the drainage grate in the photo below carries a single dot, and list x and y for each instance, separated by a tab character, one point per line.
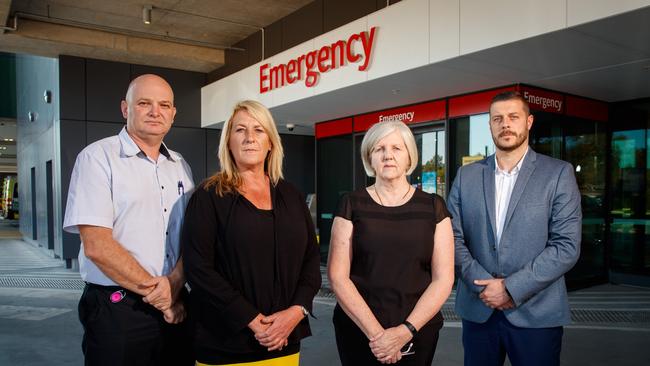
32	282
610	316
325	292
579	316
449	314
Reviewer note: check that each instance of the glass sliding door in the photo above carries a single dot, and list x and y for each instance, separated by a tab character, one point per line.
471	140
585	148
629	175
431	172
583	143
629	232
333	179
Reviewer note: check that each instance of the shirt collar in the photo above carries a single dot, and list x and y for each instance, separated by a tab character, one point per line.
130	148
514	171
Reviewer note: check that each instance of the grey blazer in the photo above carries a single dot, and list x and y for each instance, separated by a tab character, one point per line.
540	241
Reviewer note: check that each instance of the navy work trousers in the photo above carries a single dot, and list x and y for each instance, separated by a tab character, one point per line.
488	343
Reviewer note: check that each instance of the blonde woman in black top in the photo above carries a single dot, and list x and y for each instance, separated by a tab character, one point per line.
250	251
391	262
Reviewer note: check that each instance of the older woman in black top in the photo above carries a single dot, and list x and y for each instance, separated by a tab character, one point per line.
250	251
391	259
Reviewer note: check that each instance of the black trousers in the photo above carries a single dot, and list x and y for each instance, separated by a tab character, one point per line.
487	344
354	348
129	331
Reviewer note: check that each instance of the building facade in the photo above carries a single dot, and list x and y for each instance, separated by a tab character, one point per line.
583	66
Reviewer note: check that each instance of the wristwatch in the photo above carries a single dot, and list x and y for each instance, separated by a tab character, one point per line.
305	312
410	327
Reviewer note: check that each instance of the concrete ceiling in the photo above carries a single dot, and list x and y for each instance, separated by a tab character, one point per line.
608	59
183	34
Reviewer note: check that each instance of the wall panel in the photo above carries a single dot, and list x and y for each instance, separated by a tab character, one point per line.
337	13
106	84
485	24
73	140
211	151
583	11
302	25
402	38
189	142
299	161
72	76
187	92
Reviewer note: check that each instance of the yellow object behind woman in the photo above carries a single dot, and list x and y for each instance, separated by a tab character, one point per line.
291	360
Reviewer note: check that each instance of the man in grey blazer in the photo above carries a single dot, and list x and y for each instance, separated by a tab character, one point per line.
517	228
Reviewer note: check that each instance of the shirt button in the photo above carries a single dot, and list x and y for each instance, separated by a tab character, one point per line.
167	255
165	209
494	247
162	187
166	232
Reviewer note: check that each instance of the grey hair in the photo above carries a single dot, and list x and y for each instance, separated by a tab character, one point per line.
381	130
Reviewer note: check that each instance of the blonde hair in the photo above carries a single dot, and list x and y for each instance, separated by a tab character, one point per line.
227	179
378	132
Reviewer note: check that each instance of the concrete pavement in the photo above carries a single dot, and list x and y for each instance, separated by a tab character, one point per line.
39	325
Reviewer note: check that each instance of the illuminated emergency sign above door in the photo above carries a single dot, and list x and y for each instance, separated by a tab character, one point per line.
311	65
543	100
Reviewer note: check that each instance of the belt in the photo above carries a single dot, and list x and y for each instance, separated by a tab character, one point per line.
126	299
128	293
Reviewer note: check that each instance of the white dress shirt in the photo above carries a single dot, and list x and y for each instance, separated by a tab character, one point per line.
116	186
504	182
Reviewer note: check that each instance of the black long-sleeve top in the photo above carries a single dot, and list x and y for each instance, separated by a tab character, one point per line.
241	261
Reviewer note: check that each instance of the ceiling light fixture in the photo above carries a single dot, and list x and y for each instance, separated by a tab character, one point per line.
146	14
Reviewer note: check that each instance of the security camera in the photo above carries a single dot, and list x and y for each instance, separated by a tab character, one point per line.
290	126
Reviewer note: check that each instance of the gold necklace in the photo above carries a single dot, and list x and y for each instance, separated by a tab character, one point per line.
382	203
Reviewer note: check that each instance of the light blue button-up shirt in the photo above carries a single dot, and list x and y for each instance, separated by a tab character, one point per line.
115	185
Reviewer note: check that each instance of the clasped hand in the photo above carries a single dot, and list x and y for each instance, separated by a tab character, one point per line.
387	345
273	331
164	297
494	295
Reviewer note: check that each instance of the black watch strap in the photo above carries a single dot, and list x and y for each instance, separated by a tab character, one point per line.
410	327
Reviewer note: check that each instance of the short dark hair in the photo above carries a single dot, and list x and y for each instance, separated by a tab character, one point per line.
511	95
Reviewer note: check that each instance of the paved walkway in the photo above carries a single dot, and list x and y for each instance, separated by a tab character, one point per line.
39	325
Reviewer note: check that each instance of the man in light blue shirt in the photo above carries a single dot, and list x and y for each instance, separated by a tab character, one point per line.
126	199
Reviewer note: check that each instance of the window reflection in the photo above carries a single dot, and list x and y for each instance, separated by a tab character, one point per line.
430	175
631	228
480	137
583	144
628	152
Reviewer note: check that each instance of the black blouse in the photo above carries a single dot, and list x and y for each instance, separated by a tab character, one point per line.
392	249
241	261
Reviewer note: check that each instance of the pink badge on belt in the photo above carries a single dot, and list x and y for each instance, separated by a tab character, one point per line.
117	296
